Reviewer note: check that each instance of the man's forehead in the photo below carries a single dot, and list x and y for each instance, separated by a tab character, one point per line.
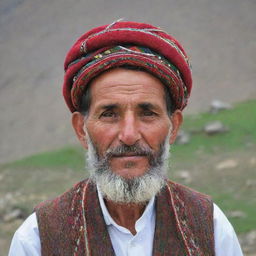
126	85
125	103
125	80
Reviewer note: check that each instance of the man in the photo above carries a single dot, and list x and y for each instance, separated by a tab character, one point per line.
126	84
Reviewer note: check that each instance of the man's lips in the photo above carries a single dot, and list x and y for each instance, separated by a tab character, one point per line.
125	159
129	155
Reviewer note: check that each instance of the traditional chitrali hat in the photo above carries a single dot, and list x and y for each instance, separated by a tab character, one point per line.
127	43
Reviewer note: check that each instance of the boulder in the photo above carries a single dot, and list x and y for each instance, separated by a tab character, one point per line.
217	106
227	164
215	127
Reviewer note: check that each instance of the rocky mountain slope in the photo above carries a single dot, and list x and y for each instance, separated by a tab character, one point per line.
35	35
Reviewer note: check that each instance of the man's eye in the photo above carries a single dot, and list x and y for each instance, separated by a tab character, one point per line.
108	114
148	113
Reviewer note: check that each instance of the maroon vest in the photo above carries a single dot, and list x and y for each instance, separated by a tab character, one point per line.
73	224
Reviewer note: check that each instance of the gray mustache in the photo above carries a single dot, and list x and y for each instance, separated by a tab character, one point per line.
135	149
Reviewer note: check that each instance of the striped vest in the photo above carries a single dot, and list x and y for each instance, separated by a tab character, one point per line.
73	224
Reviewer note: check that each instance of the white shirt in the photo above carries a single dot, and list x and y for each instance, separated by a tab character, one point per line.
26	240
123	241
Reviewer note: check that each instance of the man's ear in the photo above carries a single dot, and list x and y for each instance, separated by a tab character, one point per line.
176	119
78	125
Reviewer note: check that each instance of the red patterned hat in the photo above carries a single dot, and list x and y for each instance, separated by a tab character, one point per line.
127	43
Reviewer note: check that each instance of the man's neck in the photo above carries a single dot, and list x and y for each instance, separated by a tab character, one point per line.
125	215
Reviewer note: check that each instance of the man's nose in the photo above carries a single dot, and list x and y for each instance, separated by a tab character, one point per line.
129	132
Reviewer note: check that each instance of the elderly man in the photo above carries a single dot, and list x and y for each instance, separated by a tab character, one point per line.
126	84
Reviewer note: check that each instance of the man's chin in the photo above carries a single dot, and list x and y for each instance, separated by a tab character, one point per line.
130	174
130	189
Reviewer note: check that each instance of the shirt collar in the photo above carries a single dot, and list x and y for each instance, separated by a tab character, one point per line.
140	223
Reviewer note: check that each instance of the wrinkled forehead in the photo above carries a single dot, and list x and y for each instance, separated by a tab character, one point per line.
122	87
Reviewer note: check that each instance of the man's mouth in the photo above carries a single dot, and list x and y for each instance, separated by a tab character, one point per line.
129	160
129	155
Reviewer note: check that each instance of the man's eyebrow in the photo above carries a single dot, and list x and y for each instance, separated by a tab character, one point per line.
147	105
109	106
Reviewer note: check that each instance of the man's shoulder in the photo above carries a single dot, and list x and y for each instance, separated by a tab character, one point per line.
63	200
187	194
186	190
61	214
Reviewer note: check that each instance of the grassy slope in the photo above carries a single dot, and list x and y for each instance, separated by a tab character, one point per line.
26	182
229	187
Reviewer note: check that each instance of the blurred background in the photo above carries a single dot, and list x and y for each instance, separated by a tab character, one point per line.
219	145
219	36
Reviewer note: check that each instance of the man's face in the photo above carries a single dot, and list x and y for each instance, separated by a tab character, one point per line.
128	108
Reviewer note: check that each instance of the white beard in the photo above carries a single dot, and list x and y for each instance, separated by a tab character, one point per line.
122	190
